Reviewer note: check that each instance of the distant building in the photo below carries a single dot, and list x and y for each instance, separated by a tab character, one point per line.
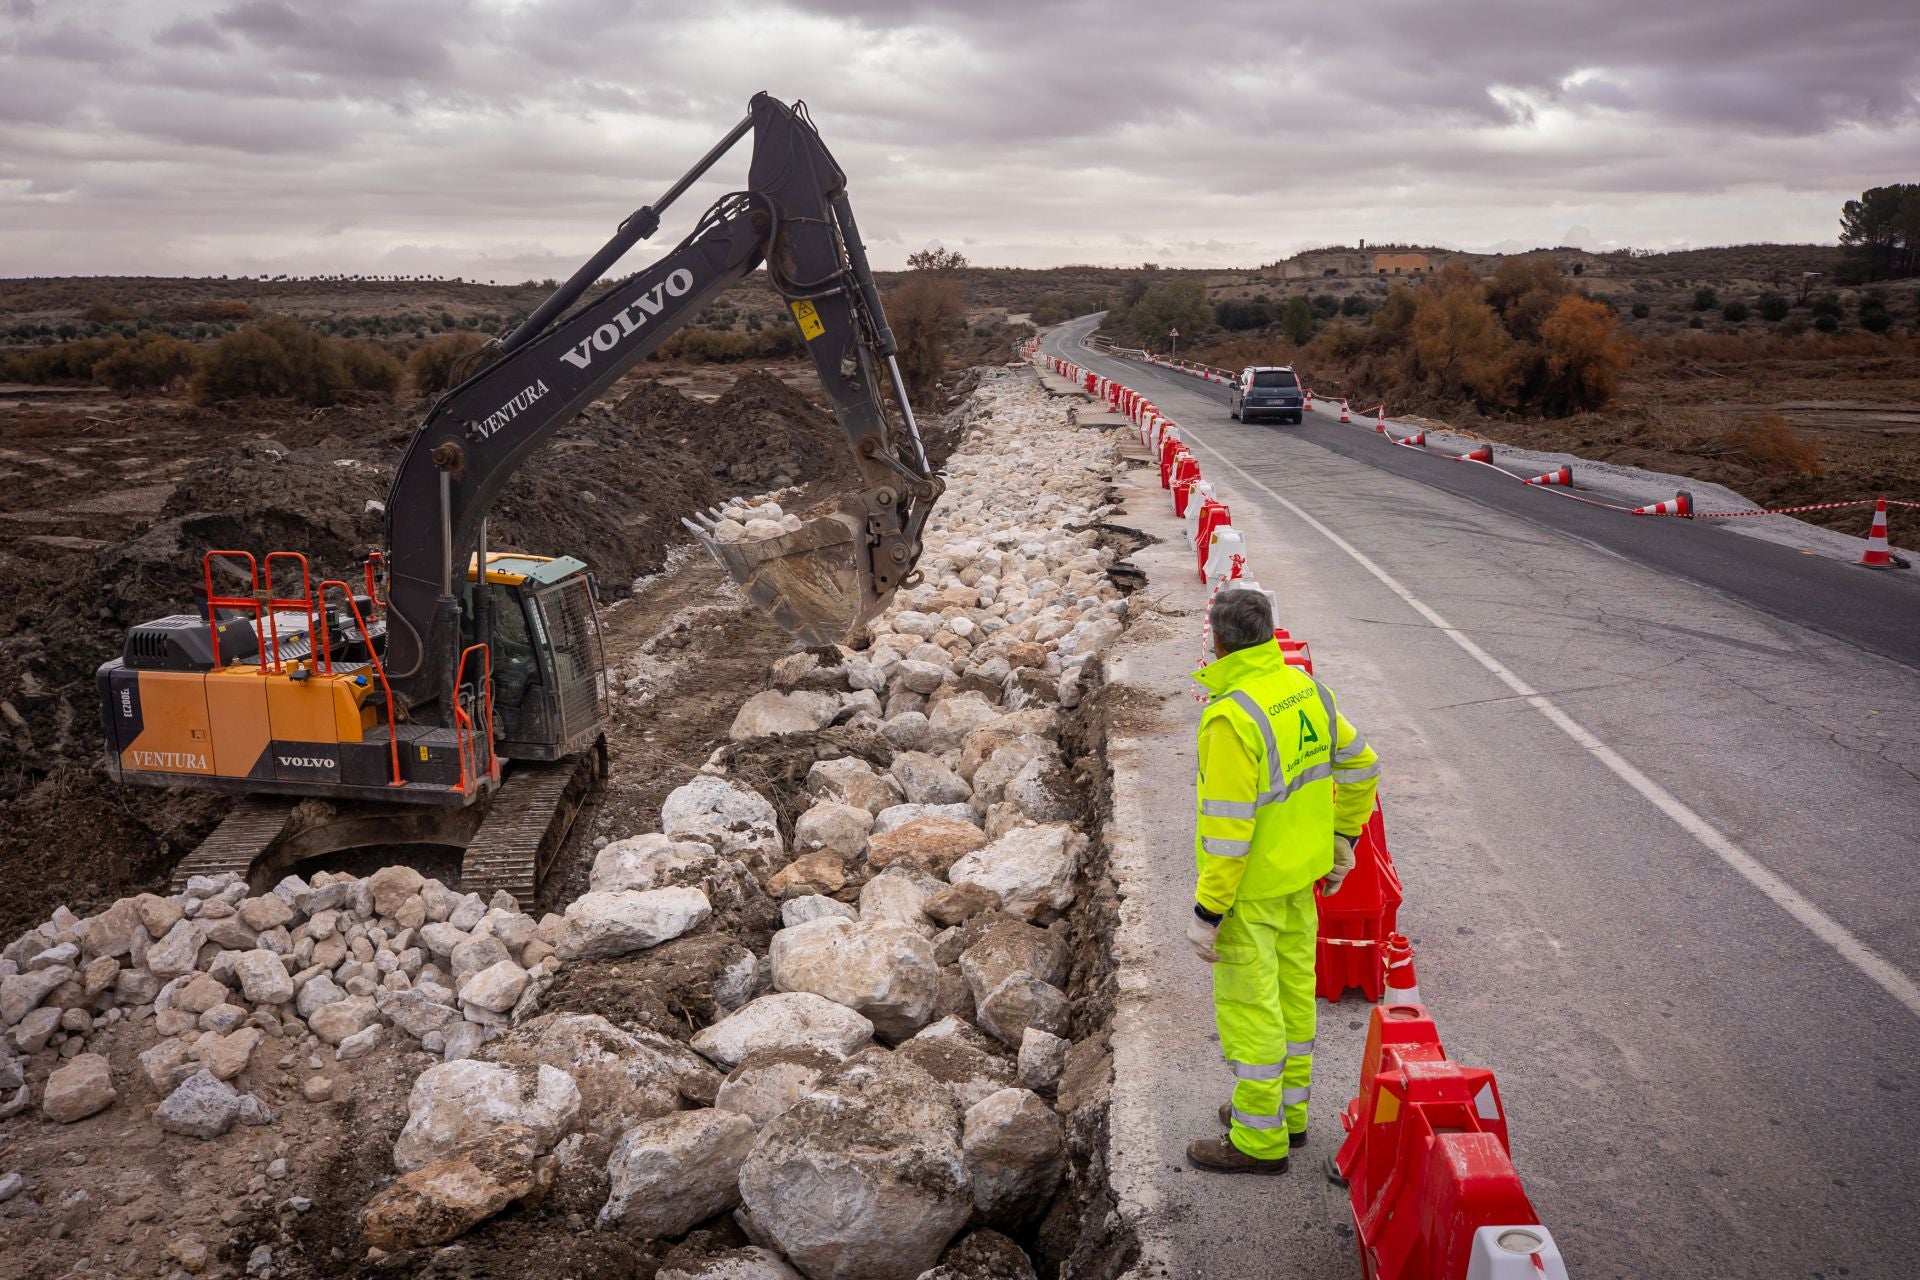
1402	264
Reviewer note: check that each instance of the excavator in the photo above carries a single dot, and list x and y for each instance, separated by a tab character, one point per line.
456	695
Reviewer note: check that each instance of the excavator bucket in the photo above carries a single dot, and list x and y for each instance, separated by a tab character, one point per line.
812	582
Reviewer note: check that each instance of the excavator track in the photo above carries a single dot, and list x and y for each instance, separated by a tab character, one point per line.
251	827
527	824
508	843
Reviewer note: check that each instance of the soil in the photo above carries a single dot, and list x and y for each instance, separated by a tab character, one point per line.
107	509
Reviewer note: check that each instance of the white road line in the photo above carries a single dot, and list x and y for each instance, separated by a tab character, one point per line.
1783	895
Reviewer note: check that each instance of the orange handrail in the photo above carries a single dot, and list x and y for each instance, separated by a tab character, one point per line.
217	603
463	723
325	656
274	603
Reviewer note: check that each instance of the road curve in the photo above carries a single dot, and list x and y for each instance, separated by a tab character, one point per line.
1658	838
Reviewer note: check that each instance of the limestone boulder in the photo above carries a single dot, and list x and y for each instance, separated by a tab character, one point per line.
669	1174
879	1142
78	1088
1016	1154
813	906
603	925
200	1107
933	843
1043	1058
924	779
784	1020
899	895
853	781
1032	869
882	970
445	1198
736	821
949	723
900	815
21	993
1022	1001
1010	947
835	826
771	713
623	1077
749	1263
458	1102
766	1084
392	886
971	1066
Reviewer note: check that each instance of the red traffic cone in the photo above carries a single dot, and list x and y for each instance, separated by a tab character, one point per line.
1418	440
1382	424
1680	504
1403	984
1877	556
1344	415
1308	407
1483	454
1563	476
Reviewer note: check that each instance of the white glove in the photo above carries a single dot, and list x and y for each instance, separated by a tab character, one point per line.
1342	863
1200	936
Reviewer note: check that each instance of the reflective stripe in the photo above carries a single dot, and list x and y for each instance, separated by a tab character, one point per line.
1312	773
1225	848
1326	704
1227	808
1352	749
1294	1097
1258	1122
1245	702
1350	773
1257	1070
1299	1048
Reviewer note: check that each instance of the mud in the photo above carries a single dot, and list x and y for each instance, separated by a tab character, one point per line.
104	519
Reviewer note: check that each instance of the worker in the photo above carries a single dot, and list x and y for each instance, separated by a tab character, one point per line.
1285	787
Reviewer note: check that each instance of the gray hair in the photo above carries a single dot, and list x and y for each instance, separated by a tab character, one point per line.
1241	619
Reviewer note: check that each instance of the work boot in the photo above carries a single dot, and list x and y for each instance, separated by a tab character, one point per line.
1226	1122
1220	1155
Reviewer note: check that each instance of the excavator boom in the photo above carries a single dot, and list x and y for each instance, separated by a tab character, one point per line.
819	582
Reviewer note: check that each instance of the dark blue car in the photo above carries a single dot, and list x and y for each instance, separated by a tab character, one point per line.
1266	391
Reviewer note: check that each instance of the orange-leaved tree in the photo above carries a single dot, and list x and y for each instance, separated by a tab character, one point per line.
1583	356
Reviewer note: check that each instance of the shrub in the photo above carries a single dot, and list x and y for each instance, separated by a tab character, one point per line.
433	365
1238	315
148	364
1354	305
1297	319
1773	307
1874	317
1705	299
1734	312
284	359
371	368
1641	310
1326	306
1696	323
925	311
1827	323
1458	344
1772	448
1394	321
1583	355
1171	304
1826	304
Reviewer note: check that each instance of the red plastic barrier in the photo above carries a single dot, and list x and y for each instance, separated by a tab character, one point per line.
1356	920
1186	470
1212	512
1426	1154
1169	450
1294	652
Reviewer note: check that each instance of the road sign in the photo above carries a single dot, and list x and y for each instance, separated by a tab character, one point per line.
1173	333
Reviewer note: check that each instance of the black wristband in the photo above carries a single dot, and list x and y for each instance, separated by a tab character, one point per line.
1210	917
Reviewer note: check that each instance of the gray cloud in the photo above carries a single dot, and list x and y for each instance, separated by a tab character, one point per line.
505	138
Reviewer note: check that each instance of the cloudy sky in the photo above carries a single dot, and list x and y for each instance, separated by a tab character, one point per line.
505	138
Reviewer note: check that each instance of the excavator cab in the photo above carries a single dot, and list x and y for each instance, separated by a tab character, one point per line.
536	616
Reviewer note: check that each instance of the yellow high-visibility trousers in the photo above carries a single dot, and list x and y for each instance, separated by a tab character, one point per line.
1263	1003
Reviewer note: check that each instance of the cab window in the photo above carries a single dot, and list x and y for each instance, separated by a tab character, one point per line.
1275	378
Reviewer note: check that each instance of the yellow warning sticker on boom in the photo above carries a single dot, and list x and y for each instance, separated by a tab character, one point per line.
810	324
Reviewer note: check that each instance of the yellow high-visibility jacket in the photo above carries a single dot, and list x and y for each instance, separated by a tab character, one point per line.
1273	746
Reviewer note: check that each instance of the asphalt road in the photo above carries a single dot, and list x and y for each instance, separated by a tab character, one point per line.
1658	832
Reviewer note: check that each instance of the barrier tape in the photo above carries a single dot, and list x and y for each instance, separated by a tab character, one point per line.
1818	506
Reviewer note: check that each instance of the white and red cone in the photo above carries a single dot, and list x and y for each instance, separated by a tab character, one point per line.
1563	476
1483	454
1403	984
1680	504
1344	415
1878	555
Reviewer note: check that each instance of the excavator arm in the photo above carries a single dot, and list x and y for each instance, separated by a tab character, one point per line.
818	582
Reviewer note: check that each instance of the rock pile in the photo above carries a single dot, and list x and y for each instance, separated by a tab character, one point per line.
335	968
882	1087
